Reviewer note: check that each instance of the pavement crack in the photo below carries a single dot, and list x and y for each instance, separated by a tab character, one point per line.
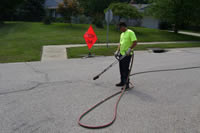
19	127
23	90
33	127
37	71
35	86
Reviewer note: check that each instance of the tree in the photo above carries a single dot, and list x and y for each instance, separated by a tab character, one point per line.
31	10
176	12
8	7
196	13
124	10
93	7
69	8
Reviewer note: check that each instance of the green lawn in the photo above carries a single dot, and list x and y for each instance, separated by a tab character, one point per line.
23	41
78	52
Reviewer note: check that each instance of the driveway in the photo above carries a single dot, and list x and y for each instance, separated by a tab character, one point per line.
48	97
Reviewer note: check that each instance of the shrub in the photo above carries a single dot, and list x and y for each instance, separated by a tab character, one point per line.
47	20
164	25
98	21
84	19
60	20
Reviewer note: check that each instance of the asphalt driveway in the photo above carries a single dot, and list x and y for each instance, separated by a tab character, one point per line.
48	97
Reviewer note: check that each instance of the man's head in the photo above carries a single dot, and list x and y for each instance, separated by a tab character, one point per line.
122	26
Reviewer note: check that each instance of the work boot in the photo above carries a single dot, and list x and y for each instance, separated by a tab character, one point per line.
126	87
120	84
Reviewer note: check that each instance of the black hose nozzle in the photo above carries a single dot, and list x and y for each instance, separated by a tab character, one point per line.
96	77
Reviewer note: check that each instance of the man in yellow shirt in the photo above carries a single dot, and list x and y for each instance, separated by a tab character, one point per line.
128	41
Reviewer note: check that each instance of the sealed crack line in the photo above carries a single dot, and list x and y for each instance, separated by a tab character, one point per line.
166	70
34	87
23	90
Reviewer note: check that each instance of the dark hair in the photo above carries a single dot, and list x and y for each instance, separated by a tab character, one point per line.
122	24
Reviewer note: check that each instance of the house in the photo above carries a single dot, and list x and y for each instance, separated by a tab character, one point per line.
51	6
147	21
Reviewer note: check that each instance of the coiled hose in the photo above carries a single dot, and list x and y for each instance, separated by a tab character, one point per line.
121	94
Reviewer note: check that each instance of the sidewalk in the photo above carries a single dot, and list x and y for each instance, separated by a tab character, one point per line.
190	33
59	52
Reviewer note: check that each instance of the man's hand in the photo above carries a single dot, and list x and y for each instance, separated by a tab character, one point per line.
128	52
117	53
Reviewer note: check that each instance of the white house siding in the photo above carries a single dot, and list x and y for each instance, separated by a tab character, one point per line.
150	22
147	21
52	3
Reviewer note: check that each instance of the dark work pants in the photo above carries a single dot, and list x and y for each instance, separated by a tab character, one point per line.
124	68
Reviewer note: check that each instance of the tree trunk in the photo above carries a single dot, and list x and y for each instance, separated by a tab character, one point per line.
175	29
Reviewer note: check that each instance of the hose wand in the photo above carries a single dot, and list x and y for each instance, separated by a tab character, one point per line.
111	65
